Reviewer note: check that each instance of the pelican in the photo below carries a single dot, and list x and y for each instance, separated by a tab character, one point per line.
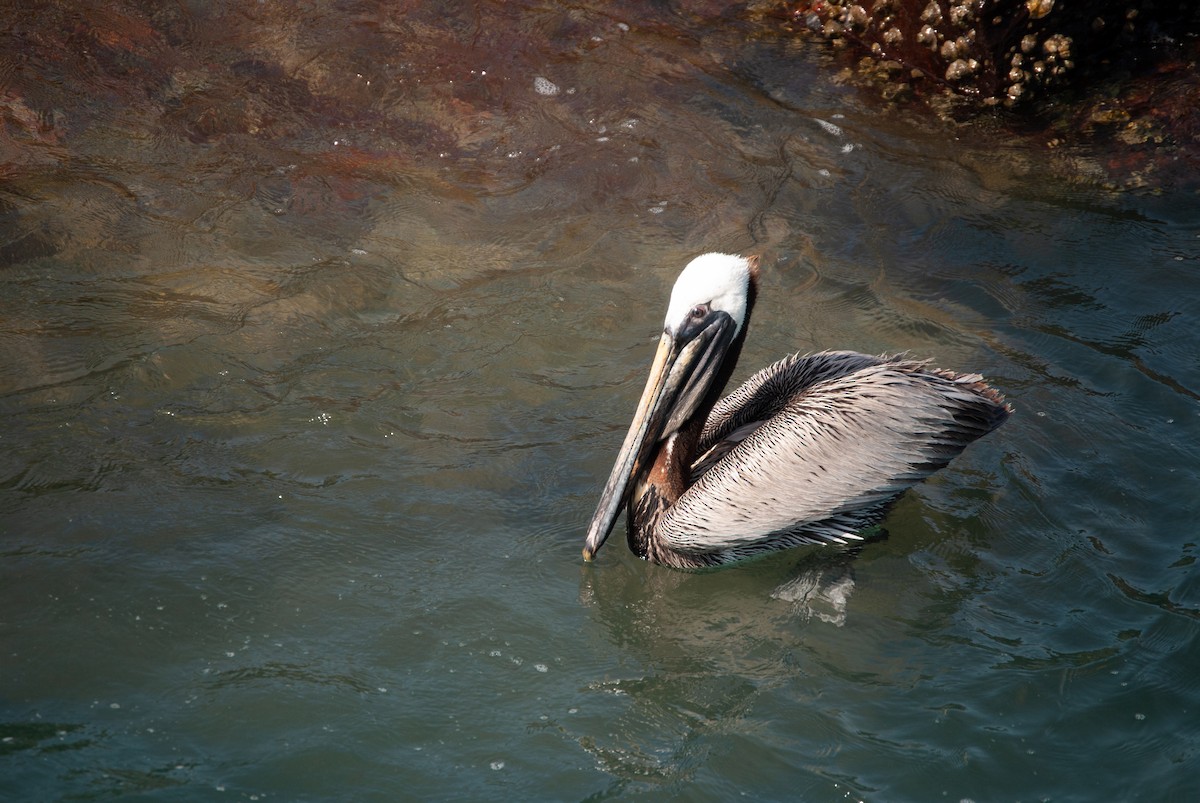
810	450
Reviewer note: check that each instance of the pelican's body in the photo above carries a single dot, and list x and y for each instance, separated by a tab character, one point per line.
809	450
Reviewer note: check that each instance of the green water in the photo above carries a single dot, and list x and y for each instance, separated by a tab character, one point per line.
315	354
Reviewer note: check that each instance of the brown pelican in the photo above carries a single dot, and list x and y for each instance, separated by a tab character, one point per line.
810	450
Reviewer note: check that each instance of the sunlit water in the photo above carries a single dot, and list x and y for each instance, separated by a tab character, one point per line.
313	358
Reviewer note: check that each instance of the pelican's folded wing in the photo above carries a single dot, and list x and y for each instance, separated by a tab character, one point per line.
842	435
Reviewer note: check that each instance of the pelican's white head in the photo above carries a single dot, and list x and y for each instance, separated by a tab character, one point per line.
720	282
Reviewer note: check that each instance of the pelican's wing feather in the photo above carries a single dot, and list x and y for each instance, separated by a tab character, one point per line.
814	448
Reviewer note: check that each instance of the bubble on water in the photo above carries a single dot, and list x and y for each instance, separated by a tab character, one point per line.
541	667
497	765
544	86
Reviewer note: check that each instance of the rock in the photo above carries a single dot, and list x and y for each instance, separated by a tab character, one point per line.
1002	50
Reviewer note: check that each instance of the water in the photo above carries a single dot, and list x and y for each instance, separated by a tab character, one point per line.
319	338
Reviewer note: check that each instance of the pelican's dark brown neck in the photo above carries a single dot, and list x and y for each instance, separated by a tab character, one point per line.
656	491
660	487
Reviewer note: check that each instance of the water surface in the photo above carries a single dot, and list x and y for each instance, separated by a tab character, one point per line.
320	328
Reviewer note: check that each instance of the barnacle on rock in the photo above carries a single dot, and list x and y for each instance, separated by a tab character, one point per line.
957	70
1039	8
1057	45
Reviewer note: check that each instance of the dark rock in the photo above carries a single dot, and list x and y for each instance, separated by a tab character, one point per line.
1002	51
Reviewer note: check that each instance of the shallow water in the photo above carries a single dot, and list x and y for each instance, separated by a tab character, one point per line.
315	353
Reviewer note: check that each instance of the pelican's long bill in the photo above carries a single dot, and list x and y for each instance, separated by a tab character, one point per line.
686	365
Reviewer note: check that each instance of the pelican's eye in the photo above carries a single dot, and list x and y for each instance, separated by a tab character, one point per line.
698	312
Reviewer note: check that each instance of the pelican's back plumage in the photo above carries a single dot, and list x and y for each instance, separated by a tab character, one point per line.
815	448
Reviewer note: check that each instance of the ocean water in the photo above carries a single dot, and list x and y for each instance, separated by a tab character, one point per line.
320	327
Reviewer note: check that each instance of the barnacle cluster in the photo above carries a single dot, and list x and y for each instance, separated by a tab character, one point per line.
999	51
